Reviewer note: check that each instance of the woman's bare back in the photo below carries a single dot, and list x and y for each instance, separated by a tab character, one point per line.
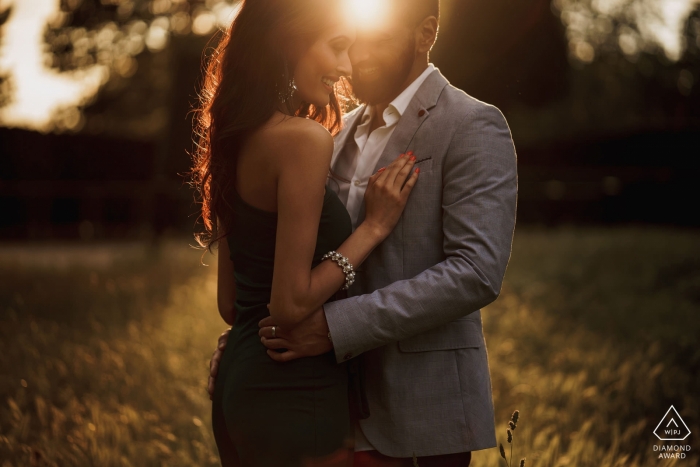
258	166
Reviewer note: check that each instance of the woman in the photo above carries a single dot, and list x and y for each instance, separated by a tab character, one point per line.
265	128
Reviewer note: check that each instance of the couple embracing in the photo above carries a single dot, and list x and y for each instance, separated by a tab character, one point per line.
354	251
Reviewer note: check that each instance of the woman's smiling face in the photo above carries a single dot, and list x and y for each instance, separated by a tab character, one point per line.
322	65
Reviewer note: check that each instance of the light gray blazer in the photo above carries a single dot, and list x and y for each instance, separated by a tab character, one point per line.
413	313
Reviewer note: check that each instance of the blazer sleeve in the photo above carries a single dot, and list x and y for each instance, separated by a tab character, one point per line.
479	209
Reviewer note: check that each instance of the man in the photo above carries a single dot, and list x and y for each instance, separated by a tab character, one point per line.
412	318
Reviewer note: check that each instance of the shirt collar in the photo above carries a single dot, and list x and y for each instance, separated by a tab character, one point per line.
398	106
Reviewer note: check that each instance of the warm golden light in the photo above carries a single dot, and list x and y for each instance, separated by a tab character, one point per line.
645	24
367	13
42	98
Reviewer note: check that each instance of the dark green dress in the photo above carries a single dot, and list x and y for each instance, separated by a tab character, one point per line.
268	413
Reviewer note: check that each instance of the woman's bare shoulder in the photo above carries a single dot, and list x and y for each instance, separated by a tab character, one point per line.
299	133
292	138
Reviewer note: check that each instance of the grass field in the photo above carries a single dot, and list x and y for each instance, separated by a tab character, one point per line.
104	350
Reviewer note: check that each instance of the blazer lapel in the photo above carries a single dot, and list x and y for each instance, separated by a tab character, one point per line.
416	113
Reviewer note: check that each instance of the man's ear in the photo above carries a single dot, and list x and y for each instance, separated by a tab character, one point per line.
427	32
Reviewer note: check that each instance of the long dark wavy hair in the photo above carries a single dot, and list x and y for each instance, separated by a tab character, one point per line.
254	57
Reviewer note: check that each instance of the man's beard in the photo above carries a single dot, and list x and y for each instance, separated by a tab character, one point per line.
386	87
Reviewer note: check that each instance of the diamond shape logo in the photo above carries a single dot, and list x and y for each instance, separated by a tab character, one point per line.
672	427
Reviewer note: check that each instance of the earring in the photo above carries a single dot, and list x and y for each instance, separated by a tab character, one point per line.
289	92
290	86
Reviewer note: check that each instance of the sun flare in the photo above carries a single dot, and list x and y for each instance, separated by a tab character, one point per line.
367	13
40	93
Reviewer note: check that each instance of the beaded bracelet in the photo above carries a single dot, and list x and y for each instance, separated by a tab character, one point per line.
344	263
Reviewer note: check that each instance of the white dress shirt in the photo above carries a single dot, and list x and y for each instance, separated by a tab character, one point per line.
363	157
369	147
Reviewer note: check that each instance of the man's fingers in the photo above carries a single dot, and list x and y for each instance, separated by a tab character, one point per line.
215	359
275	343
214	362
267	332
282	357
210	387
214	366
223	338
266	321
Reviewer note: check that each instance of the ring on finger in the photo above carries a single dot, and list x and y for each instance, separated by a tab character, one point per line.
273	331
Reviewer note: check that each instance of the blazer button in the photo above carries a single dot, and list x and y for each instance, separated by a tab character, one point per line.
421	113
347	356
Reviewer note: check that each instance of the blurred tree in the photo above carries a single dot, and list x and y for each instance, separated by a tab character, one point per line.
558	69
641	55
508	54
633	66
153	50
5	79
627	26
134	40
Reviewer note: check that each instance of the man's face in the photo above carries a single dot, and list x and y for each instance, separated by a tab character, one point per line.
382	58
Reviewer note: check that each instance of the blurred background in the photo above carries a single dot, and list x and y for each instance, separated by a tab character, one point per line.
108	317
601	96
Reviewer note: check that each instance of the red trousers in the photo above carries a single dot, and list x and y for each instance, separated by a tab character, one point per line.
377	459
